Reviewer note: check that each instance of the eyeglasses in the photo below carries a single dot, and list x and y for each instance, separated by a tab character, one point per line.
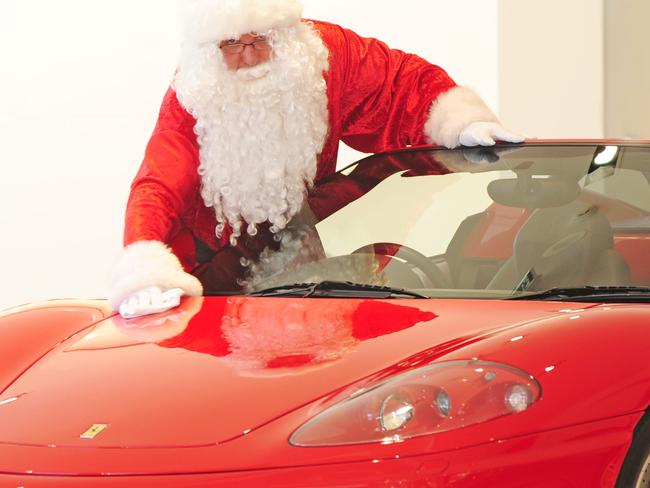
231	47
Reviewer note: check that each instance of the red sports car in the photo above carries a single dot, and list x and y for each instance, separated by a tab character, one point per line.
432	318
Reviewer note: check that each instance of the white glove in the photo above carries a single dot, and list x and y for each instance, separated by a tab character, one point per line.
486	134
149	301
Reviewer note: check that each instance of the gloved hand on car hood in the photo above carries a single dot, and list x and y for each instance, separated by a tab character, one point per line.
148	278
150	300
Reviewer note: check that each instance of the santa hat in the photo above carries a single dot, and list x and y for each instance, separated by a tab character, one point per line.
218	20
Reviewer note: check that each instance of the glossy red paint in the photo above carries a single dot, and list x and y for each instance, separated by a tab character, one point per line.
587	455
196	390
29	332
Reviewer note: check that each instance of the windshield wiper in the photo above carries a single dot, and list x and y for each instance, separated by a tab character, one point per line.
335	289
591	294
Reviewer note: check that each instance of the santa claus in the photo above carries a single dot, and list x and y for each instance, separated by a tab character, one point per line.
254	117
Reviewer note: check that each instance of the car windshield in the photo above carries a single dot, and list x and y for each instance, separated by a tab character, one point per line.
468	223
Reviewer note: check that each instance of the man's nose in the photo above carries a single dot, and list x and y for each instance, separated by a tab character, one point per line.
249	56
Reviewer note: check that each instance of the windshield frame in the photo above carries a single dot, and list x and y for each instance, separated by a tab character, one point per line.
484	163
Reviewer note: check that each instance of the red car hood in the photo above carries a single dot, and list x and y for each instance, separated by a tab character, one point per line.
217	368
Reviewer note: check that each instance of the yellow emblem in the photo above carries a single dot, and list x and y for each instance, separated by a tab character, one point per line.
94	431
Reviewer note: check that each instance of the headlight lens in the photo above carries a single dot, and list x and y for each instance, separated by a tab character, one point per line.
518	398
395	413
443	403
436	398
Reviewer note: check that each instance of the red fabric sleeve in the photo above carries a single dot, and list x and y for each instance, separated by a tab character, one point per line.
387	94
167	183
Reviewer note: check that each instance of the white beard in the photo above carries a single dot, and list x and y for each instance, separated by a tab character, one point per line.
259	335
253	73
260	130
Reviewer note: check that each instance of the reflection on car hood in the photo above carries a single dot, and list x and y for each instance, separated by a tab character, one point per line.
217	368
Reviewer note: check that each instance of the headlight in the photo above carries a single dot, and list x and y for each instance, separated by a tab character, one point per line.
395	413
431	399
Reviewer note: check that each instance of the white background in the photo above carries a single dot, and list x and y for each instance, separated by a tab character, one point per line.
552	65
81	83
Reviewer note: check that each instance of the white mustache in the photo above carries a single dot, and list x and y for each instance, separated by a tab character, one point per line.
254	72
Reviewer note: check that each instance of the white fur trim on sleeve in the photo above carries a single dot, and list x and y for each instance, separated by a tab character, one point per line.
149	263
451	112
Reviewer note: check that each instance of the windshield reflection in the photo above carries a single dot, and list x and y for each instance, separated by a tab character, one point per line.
480	223
269	334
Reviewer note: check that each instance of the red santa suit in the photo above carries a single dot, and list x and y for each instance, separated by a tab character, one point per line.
373	99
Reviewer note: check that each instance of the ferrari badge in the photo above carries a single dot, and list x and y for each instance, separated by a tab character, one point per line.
93	431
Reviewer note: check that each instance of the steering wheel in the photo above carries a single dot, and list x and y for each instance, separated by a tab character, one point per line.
410	256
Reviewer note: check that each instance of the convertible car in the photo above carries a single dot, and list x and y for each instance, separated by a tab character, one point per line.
432	318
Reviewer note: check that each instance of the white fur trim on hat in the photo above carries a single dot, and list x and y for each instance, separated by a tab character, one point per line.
149	263
218	20
451	112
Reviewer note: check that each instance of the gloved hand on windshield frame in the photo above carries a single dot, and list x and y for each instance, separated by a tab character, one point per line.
460	117
486	134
